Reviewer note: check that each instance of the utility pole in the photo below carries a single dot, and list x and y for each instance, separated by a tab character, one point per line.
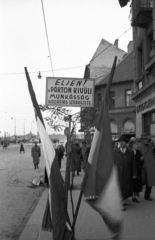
24	129
15	130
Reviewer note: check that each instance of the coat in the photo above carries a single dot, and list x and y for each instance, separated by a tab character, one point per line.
84	156
139	164
76	158
22	147
36	153
126	166
149	163
60	154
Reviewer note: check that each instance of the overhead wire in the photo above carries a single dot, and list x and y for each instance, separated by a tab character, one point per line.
47	36
109	45
67	68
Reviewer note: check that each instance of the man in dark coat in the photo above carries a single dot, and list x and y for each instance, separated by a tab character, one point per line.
22	148
60	154
36	153
149	165
125	161
75	157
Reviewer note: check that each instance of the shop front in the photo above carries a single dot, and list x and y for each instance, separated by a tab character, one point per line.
145	115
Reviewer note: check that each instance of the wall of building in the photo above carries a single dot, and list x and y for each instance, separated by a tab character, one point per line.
120	113
119	90
101	65
144	97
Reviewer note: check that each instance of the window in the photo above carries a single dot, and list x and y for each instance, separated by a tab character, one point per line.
146	123
140	61
114	130
140	84
128	98
153	117
111	100
99	100
149	44
129	127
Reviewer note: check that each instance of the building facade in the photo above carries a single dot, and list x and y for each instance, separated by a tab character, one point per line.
143	23
102	60
121	106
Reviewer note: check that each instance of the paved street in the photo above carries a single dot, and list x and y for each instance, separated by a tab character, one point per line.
138	220
18	201
17	197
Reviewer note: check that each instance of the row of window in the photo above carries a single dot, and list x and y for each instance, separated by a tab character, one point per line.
141	60
112	99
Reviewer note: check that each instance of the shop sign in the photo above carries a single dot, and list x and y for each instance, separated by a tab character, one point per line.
70	92
147	104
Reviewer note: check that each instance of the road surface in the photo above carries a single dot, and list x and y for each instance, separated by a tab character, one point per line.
18	198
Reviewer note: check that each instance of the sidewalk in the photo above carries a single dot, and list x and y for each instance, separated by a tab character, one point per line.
138	220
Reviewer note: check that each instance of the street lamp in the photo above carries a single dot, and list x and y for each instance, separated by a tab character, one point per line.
24	128
15	129
31	127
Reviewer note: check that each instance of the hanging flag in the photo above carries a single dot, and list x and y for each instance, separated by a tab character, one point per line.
123	3
101	189
55	215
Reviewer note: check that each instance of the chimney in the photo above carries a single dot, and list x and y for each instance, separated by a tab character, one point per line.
130	47
116	43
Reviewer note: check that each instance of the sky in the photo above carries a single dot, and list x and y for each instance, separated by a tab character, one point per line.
74	29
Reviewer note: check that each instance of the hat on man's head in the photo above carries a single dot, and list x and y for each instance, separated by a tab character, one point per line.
122	139
132	139
145	136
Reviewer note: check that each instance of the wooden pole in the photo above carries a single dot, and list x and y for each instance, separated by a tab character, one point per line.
67	176
79	201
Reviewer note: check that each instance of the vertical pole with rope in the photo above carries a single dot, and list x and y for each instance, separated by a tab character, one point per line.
67	176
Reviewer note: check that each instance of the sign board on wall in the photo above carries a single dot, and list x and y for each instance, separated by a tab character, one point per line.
70	92
147	104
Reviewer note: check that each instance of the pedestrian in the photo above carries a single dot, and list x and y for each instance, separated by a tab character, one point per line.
76	157
36	153
148	170
139	159
125	162
84	154
22	148
116	144
60	154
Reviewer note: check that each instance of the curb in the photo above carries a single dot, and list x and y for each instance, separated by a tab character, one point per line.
33	228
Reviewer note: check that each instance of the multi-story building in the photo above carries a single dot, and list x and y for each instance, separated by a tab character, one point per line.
121	107
143	23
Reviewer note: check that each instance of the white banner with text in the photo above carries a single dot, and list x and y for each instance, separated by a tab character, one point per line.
70	92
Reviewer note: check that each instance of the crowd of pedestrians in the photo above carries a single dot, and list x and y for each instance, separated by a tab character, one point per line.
135	161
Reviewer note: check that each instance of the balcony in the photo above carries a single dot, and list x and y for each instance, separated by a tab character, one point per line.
141	13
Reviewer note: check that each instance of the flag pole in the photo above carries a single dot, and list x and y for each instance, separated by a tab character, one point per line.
67	176
85	176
